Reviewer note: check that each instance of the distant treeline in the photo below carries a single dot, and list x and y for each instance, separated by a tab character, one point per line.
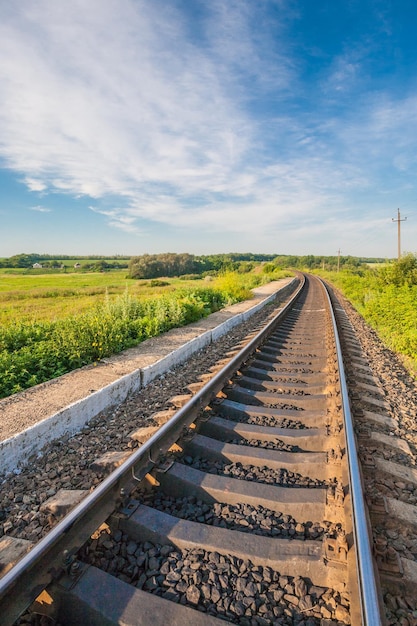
55	261
310	261
170	264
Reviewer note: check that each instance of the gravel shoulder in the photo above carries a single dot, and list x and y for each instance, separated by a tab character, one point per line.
22	410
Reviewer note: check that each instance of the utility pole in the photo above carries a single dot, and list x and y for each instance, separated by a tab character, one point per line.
399	220
338	260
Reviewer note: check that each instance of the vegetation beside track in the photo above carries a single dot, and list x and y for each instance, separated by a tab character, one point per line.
36	350
52	322
386	297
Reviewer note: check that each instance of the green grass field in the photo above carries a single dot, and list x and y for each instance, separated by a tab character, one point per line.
54	296
51	324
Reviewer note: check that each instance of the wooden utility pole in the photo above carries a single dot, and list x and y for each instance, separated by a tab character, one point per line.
338	260
399	220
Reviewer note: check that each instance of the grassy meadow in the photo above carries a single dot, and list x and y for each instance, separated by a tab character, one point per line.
51	324
53	296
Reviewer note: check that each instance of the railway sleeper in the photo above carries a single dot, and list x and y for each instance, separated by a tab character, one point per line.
283	368
363	376
394	470
305	331
303	504
218	427
380	440
308	558
238	393
398	573
240	411
275	348
318	363
283	339
283	387
377	418
303	352
313	464
97	598
294	321
303	380
12	549
293	335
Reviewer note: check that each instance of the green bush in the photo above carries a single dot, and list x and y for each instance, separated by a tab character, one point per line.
237	287
398	273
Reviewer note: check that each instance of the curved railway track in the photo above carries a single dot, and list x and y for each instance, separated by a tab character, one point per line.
246	506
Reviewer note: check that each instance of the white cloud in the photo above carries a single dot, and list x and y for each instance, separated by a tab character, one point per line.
120	100
119	219
40	209
34	185
344	75
111	98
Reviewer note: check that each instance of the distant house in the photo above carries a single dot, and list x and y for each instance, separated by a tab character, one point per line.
37	266
77	265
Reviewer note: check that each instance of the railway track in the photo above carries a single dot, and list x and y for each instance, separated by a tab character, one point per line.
245	506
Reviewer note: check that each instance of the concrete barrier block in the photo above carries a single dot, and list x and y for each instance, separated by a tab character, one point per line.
224	327
68	421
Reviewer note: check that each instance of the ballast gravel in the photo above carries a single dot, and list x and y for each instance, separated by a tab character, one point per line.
226	587
264	474
283	406
268	420
276	444
242	517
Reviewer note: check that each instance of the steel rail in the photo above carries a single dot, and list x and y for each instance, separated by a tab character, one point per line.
370	609
51	556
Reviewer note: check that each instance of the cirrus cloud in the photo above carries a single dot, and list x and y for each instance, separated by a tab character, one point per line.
196	116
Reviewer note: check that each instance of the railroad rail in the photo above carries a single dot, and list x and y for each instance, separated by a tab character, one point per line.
246	506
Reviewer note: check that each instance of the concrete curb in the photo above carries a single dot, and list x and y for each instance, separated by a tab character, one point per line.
15	452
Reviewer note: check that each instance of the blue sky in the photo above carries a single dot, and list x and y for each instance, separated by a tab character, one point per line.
205	126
